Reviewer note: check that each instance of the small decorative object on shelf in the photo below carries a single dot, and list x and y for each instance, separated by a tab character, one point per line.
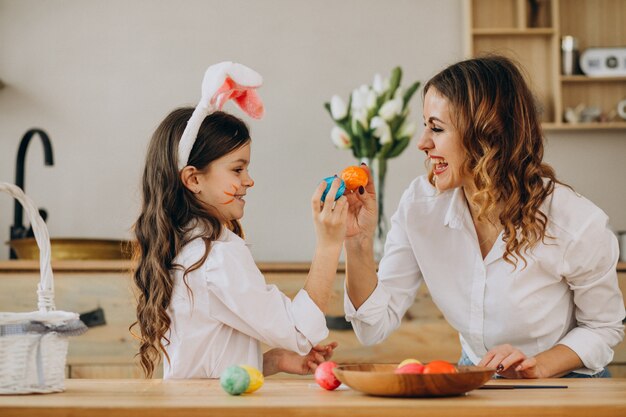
374	125
569	55
621	109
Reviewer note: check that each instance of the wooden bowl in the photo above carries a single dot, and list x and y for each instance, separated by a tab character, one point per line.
379	379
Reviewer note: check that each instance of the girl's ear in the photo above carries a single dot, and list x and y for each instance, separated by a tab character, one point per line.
189	178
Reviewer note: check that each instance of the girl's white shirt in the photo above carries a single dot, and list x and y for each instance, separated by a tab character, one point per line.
229	310
567	294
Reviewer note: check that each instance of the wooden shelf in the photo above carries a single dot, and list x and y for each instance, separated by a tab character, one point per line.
586	79
513	32
555	127
530	32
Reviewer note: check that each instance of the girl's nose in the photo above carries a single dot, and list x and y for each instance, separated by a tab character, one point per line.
248	181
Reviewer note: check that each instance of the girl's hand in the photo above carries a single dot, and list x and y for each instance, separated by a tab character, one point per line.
362	209
510	362
283	360
330	216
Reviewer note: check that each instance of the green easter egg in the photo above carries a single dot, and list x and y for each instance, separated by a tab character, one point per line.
235	380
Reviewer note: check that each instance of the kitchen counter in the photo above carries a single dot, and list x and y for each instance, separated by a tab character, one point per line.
125	265
109	351
300	397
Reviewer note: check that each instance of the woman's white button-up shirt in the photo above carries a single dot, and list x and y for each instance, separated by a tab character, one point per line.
566	294
228	310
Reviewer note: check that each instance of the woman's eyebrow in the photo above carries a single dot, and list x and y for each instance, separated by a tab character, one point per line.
433	118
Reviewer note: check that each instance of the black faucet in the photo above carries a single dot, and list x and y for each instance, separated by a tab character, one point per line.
18	231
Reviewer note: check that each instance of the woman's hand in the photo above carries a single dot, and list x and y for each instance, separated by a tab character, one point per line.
510	362
363	210
282	360
330	216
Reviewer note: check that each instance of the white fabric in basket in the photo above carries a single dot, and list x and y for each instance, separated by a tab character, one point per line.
49	317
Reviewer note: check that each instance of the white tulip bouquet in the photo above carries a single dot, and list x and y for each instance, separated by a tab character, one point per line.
374	125
374	122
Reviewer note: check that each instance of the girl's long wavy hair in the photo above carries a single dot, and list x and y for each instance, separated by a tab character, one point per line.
494	111
169	214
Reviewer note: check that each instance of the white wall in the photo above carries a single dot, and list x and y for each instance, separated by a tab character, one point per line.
99	76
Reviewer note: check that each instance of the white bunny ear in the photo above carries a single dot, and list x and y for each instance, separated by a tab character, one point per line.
244	76
213	79
221	82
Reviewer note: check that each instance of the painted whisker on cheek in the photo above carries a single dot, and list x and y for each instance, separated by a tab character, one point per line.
231	195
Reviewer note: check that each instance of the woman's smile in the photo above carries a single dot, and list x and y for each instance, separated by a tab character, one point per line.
439	165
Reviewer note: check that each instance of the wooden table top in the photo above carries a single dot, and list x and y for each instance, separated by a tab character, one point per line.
301	397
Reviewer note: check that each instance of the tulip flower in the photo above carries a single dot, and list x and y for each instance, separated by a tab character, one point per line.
379	84
391	109
338	108
359	116
407	129
340	138
370	100
359	97
381	130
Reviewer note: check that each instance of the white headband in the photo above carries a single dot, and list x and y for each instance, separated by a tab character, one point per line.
222	82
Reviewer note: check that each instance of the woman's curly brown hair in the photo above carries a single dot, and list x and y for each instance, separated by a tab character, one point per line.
170	212
495	113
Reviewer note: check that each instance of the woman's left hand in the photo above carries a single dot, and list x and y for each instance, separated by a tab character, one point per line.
291	362
510	362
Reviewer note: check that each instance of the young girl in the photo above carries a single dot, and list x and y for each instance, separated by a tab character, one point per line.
202	301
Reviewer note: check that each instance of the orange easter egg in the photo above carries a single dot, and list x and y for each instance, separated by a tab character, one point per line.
354	177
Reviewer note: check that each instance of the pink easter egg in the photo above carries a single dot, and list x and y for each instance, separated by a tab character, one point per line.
325	377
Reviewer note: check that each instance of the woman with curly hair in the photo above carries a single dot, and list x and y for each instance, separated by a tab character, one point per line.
522	266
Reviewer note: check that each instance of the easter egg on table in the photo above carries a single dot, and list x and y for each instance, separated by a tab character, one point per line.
439	367
325	377
235	380
340	190
407	361
256	378
354	177
410	368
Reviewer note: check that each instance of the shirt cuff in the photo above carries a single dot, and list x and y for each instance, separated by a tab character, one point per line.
371	310
593	352
308	318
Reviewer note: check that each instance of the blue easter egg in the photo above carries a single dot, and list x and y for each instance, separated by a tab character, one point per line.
340	190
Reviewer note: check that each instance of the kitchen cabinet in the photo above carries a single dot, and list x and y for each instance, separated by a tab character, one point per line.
108	351
530	31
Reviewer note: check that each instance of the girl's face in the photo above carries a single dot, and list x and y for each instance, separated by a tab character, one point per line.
442	142
225	182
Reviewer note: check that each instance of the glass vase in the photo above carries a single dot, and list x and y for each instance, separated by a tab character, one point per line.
378	169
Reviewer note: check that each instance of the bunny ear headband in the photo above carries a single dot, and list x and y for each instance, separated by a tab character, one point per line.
222	82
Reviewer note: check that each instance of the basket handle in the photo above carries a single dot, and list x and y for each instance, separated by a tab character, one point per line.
45	291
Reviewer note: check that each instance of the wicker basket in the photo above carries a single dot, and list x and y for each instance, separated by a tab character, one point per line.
33	346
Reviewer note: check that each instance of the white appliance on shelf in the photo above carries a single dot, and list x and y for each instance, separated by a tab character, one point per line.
604	62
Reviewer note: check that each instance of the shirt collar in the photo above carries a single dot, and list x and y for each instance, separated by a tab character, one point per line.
456	208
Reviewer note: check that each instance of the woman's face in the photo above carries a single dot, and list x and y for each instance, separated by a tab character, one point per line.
225	182
442	143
